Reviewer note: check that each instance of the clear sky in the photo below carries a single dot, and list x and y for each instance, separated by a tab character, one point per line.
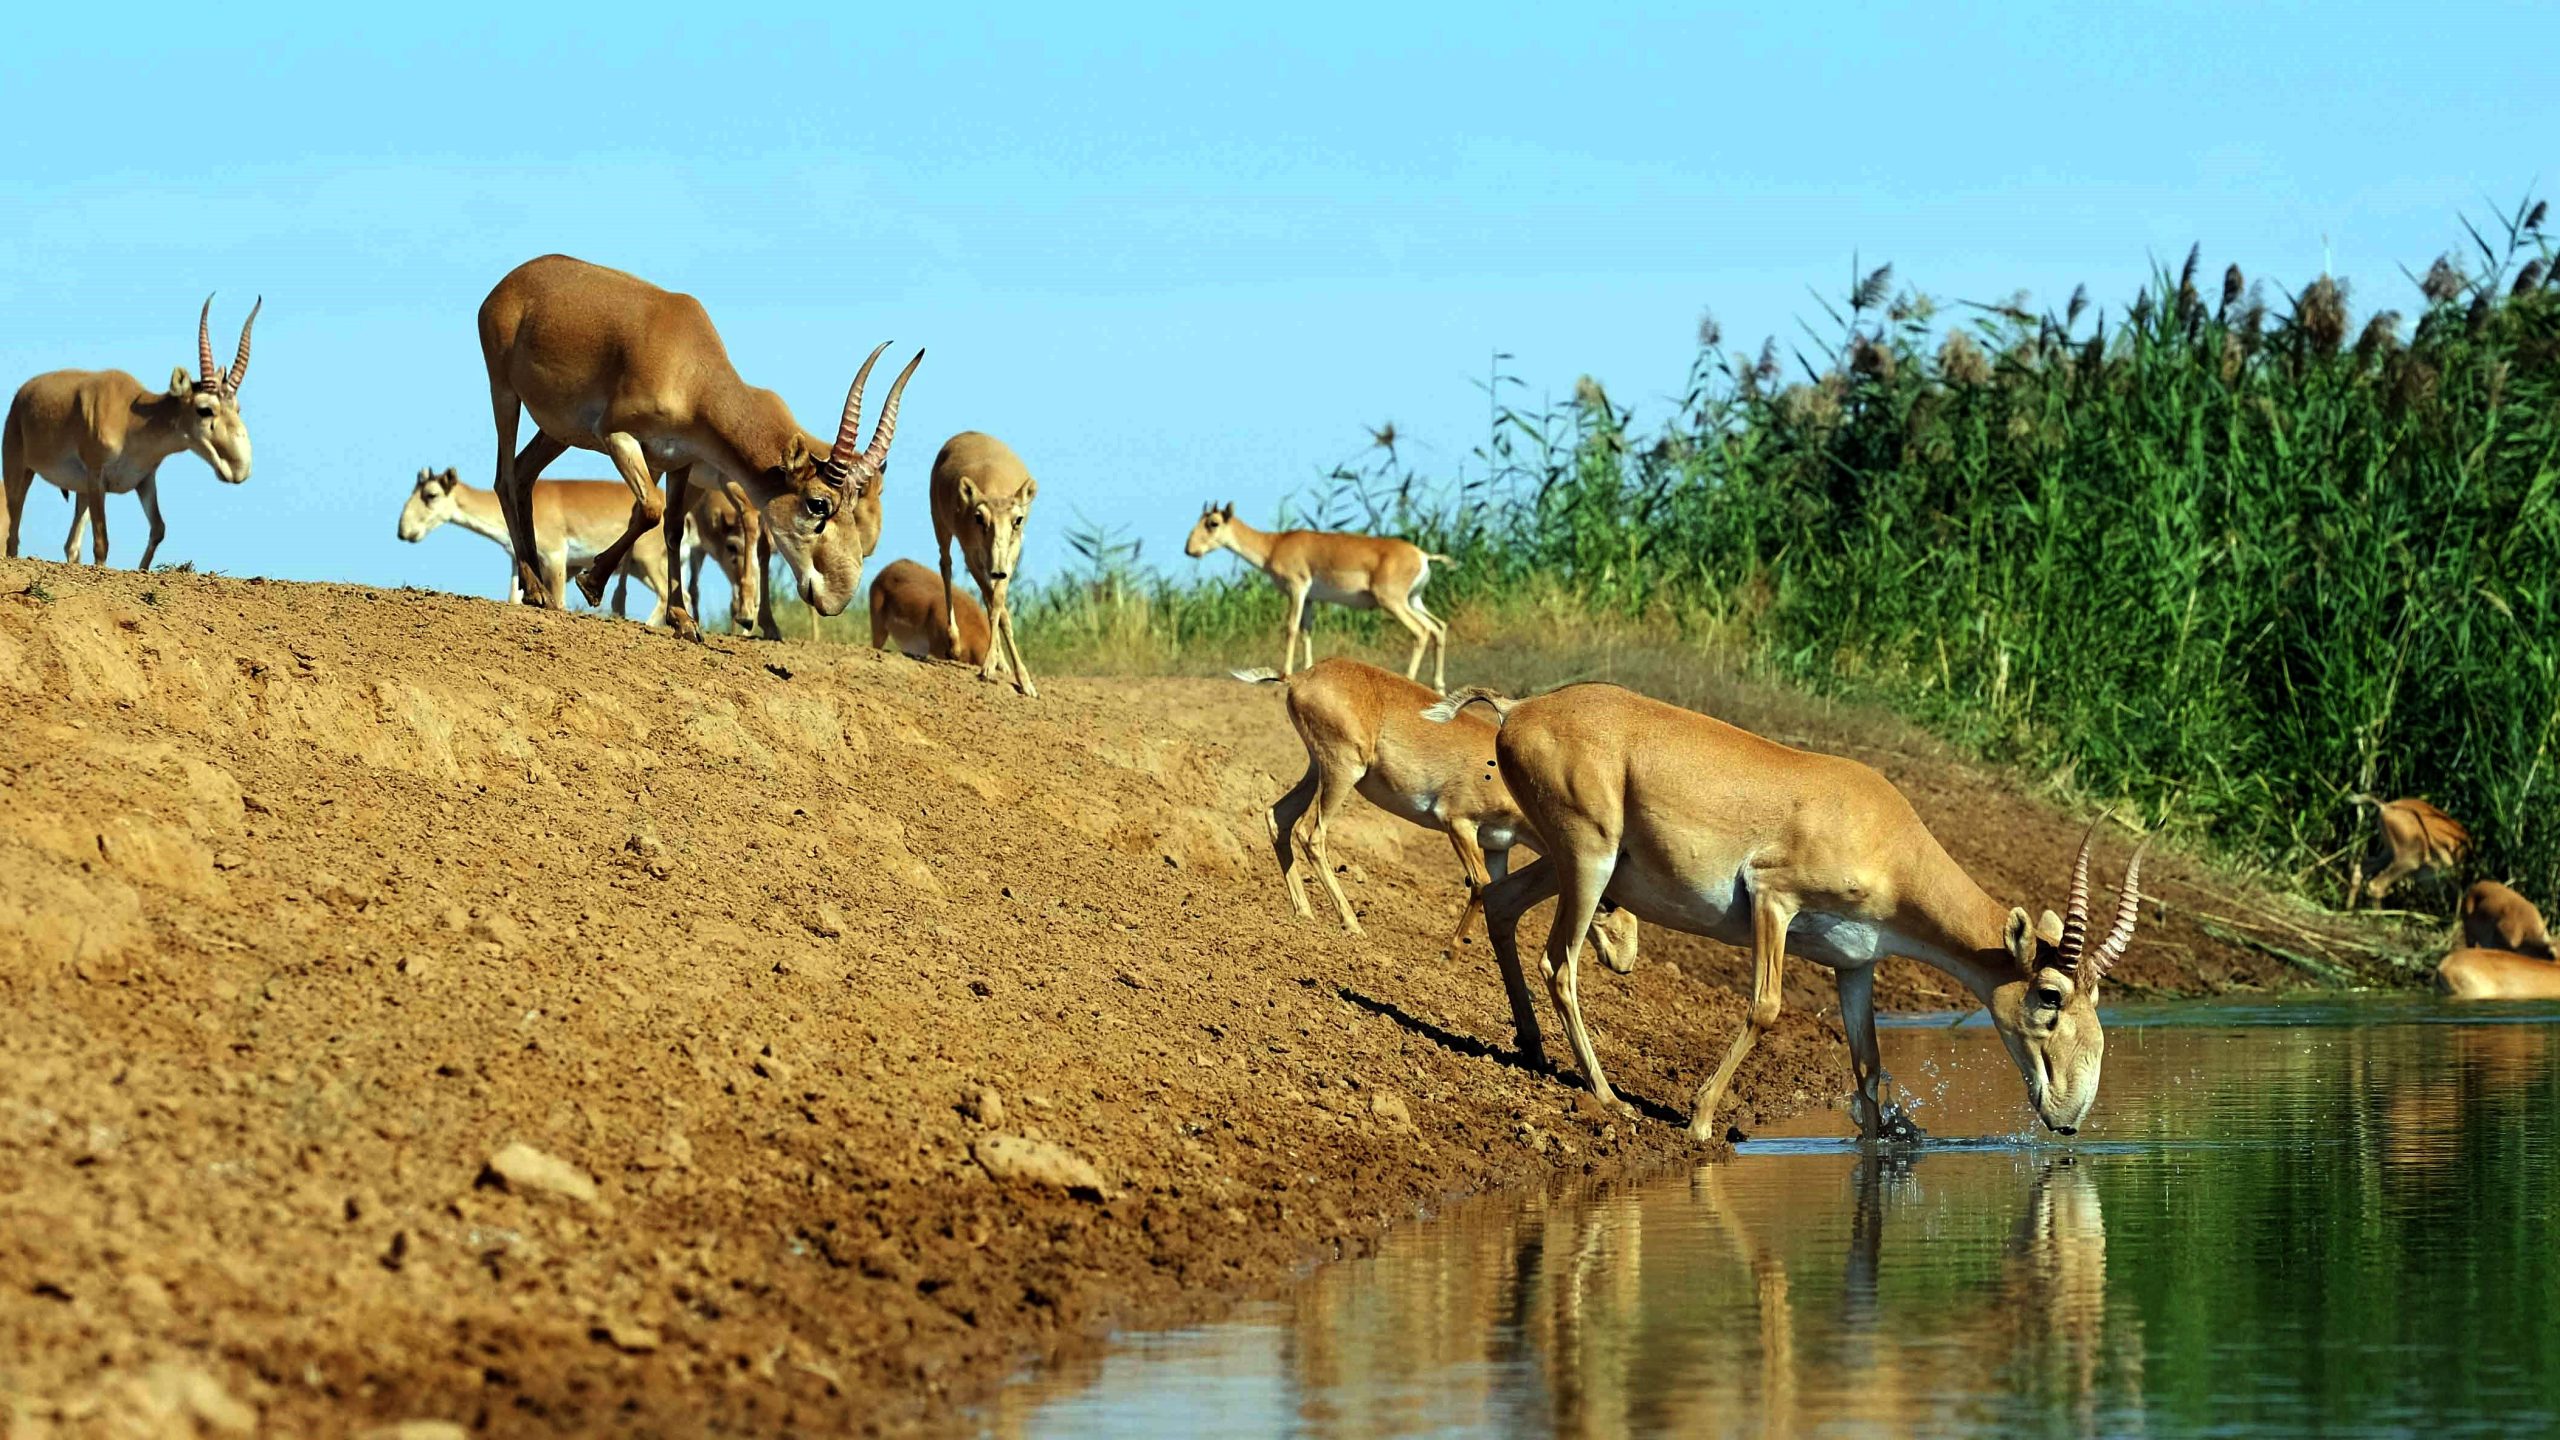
1169	254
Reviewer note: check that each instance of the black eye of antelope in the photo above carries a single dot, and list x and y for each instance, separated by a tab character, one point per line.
2049	998
818	506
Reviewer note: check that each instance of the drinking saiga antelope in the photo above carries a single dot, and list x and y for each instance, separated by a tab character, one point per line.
1700	826
96	433
982	496
907	608
1361	572
609	362
1364	732
2506	954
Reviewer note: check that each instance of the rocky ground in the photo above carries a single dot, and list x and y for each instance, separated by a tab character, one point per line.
423	1010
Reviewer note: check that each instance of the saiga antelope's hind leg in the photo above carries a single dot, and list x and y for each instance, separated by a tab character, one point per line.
1479	871
1505	901
1413	623
1334	784
1580	882
514	484
1282	824
1770	916
2400	868
97	507
149	493
1289	639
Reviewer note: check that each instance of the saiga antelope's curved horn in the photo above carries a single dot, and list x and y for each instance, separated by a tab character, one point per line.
2075	911
240	362
2128	908
887	430
849	426
205	373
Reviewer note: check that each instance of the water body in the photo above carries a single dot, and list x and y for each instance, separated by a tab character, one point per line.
2331	1216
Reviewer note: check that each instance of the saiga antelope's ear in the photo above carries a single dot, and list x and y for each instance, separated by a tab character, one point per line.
180	383
795	456
2021	939
968	493
2049	929
1030	490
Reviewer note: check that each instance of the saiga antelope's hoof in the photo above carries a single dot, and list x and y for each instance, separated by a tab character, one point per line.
592	583
684	625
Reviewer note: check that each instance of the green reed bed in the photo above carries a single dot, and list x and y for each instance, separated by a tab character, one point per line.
2220	557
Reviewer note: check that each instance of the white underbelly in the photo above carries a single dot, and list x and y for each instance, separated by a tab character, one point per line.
1721	910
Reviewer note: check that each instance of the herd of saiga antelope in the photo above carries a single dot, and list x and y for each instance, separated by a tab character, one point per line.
1639	809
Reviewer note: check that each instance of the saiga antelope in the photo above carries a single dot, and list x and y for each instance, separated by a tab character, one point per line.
1360	572
1703	827
609	362
97	433
573	521
1364	732
2419	837
2497	918
2472	973
982	496
907	608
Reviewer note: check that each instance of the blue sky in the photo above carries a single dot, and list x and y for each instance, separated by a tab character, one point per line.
1168	255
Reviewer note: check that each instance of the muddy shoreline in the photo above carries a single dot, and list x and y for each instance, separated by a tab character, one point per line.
876	1032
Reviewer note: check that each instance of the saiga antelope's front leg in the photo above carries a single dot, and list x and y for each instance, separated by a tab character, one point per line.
1866	1061
1297	595
1582	878
648	508
673	600
1771	914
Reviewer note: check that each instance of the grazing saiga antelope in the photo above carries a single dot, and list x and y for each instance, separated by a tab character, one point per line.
907	608
2419	837
982	496
609	362
1360	572
1703	827
2497	918
96	433
1364	732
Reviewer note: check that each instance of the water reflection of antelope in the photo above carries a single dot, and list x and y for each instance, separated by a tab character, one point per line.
1760	1308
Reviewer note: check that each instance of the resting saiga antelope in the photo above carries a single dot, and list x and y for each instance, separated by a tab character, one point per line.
2419	837
1360	572
908	609
97	433
609	362
1364	732
1700	826
982	496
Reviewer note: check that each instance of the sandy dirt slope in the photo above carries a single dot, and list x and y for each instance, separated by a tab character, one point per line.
316	900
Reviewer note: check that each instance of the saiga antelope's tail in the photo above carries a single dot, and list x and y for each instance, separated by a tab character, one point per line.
1457	700
1262	675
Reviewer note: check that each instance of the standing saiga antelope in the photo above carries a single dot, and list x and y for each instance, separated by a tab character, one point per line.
908	609
1706	828
609	362
982	496
2419	837
1364	732
573	521
97	433
1360	572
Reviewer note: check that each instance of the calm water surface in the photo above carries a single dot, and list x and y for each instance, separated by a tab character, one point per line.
2332	1217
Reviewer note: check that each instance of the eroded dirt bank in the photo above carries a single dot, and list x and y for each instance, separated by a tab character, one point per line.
315	900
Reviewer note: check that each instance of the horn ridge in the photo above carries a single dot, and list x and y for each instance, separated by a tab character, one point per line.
887	429
240	362
2128	910
849	425
205	373
2075	911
